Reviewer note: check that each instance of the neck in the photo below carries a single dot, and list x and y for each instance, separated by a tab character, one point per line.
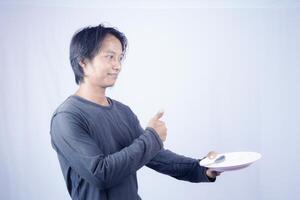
92	93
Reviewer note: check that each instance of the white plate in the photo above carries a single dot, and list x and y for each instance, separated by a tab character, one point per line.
233	161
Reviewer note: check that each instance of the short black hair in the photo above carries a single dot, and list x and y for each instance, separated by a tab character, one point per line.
86	43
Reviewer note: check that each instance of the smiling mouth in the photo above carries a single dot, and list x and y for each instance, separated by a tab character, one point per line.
113	75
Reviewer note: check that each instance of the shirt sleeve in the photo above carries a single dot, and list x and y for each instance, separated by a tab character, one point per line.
71	139
179	167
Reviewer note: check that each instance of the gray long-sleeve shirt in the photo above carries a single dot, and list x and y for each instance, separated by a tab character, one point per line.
100	149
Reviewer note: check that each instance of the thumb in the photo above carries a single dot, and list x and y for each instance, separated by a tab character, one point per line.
159	114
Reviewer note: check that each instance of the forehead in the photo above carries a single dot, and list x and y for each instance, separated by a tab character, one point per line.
111	44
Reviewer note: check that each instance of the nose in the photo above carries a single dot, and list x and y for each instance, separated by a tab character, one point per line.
117	65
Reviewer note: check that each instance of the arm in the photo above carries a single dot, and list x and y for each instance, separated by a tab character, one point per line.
177	166
70	138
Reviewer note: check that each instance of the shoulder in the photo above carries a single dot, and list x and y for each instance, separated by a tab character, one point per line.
69	107
68	115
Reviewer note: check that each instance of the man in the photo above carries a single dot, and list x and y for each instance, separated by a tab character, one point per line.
99	141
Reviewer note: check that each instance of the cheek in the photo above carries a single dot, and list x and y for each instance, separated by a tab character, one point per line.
100	69
102	74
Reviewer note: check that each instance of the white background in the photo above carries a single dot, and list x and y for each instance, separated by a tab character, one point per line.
226	73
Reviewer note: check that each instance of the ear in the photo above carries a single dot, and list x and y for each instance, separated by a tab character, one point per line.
82	63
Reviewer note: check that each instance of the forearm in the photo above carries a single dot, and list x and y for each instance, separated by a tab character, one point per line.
113	168
179	167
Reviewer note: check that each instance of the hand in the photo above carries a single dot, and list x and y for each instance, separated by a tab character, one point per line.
210	172
159	126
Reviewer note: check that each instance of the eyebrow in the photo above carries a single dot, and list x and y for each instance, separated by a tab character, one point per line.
109	51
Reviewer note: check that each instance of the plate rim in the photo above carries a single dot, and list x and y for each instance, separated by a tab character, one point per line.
246	163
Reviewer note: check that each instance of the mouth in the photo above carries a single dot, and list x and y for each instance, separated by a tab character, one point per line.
113	75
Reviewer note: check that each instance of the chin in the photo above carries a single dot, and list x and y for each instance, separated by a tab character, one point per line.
110	85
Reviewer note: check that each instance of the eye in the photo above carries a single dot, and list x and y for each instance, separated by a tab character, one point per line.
110	57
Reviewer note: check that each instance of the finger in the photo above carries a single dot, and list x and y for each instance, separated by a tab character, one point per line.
216	173
210	173
160	122
159	114
212	154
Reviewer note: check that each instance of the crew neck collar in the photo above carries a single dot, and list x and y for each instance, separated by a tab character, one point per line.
110	101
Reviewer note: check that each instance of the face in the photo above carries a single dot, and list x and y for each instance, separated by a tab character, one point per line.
103	69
